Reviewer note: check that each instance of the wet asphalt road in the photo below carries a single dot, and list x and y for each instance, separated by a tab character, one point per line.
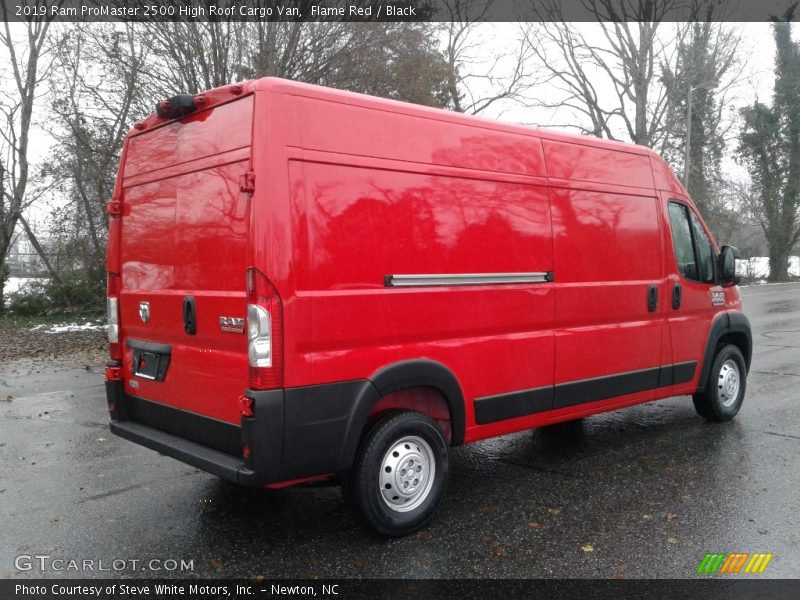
643	492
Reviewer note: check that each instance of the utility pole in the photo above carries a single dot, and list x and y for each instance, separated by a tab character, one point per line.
687	161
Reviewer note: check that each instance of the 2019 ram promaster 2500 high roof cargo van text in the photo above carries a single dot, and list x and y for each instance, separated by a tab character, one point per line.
307	283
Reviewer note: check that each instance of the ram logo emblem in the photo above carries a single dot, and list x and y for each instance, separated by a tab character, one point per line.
231	324
144	311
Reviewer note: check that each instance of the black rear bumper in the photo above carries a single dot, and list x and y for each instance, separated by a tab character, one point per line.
293	433
205	458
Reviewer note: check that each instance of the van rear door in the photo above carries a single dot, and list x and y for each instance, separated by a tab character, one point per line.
183	252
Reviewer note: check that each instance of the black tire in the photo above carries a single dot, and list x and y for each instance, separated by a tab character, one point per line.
719	402
399	439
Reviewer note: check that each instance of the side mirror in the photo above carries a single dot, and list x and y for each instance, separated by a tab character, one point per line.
726	265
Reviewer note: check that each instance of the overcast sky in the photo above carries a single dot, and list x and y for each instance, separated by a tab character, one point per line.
755	81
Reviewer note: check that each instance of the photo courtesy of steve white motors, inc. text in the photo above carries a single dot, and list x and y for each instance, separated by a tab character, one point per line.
193	590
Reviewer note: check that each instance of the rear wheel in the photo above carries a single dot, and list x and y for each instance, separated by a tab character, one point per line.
724	391
400	473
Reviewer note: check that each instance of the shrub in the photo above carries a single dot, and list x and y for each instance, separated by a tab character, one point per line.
75	293
30	302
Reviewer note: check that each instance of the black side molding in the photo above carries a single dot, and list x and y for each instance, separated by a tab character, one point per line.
491	409
602	388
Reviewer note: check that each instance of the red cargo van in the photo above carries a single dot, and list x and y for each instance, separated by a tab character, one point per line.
307	283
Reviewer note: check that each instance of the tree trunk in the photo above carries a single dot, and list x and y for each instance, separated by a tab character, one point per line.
778	263
2	284
39	250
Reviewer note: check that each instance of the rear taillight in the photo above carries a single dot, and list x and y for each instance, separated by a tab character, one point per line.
264	332
112	306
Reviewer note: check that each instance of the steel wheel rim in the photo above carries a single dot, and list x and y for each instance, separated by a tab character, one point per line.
728	383
408	470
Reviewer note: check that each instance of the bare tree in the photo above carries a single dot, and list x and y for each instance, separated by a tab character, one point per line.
107	75
24	46
707	63
624	57
397	60
96	94
477	80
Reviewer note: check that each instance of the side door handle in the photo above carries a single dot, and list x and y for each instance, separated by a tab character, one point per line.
676	296
652	297
189	315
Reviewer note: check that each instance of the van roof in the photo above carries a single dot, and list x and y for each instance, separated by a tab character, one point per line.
665	178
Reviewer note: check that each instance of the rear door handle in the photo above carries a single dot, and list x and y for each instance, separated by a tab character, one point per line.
652	297
189	315
676	296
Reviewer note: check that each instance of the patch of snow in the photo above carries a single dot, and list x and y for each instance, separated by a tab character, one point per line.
757	267
69	327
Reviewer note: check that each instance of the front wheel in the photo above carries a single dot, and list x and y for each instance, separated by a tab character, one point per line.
400	473
724	391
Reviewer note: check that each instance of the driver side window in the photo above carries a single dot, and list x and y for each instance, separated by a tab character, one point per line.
705	251
682	241
693	250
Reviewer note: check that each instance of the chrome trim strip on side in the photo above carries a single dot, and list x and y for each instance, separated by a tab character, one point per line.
445	279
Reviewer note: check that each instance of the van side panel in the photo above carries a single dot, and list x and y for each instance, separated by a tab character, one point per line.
356	219
367	131
576	162
607	248
364	224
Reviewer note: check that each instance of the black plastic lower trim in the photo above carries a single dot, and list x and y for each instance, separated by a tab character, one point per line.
264	434
421	373
213	433
684	372
192	453
317	420
731	325
491	409
115	396
603	388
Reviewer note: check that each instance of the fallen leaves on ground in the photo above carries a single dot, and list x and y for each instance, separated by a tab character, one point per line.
216	563
587	548
71	349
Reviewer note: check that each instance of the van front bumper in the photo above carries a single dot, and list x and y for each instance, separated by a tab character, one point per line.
294	433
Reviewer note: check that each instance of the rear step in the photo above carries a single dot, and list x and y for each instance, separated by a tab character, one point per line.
218	463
